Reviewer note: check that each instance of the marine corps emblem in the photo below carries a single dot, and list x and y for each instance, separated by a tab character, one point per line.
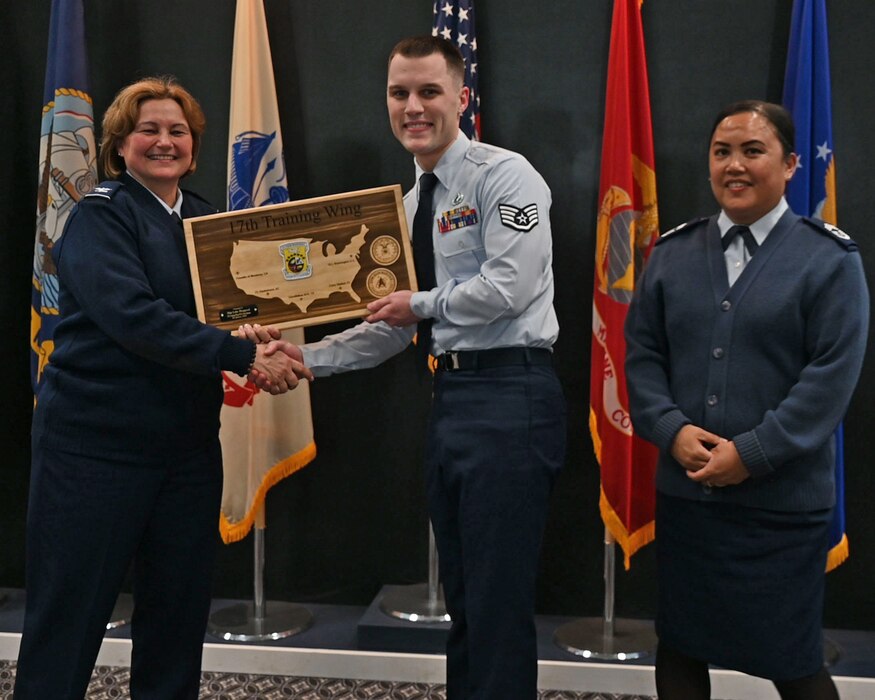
296	260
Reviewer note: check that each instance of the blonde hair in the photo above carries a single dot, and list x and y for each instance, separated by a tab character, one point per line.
121	116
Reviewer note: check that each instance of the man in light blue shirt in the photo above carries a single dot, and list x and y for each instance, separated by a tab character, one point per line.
496	435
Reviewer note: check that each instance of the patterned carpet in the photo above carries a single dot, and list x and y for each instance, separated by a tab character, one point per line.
110	683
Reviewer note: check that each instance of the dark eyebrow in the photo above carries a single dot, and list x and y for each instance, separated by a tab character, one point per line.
745	143
427	86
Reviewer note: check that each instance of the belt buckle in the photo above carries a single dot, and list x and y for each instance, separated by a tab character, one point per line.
451	361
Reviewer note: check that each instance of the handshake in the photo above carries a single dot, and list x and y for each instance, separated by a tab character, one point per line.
279	365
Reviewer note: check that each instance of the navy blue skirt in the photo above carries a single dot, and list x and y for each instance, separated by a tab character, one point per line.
742	588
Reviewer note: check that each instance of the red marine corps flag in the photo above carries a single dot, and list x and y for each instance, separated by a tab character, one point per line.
627	229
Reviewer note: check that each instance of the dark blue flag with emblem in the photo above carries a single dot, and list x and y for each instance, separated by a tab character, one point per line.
812	191
67	166
454	21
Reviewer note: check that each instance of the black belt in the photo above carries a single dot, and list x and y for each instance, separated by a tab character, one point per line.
498	357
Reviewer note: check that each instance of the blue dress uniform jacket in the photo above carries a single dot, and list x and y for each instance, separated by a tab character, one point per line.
769	363
133	373
126	470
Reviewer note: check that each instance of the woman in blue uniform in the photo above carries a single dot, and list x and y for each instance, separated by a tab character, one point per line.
744	343
127	467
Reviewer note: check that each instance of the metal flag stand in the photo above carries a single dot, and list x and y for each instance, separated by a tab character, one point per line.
607	638
245	622
419	602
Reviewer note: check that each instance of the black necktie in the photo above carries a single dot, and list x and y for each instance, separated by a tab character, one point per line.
423	258
749	241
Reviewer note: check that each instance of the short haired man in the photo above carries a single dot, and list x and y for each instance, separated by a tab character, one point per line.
496	436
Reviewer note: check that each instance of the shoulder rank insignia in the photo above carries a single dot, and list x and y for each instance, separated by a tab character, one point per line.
106	189
677	229
519	219
836	231
832	231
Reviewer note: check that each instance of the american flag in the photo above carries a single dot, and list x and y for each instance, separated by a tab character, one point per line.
454	21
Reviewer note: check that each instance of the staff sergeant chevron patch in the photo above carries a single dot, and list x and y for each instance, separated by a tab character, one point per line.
523	220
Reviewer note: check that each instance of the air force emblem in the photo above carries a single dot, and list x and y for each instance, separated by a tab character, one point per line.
519	219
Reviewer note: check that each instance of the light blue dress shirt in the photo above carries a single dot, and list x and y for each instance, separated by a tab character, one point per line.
736	254
493	265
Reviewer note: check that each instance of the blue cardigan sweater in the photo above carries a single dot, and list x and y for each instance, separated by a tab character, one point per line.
134	375
769	363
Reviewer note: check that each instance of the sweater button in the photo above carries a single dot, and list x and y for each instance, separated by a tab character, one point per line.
712	400
717	353
726	305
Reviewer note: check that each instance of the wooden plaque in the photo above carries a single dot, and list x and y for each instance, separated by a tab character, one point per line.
300	263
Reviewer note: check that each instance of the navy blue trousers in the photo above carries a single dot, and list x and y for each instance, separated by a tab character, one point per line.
88	521
495	446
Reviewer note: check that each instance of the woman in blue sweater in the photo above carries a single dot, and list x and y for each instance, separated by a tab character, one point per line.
127	467
744	343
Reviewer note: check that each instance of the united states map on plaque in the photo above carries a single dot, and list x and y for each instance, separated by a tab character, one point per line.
300	263
297	271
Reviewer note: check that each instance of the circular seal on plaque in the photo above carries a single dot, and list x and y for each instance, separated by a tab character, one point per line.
385	250
381	282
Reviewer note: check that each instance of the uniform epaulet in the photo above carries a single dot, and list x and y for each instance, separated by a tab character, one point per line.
481	153
685	227
833	232
106	189
196	196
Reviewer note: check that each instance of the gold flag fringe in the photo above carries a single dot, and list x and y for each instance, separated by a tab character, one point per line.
236	531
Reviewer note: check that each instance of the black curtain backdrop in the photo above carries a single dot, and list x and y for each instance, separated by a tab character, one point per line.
354	519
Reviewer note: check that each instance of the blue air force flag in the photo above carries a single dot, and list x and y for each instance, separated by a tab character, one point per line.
812	191
808	97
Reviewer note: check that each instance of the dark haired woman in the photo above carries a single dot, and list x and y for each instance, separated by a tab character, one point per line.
744	343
